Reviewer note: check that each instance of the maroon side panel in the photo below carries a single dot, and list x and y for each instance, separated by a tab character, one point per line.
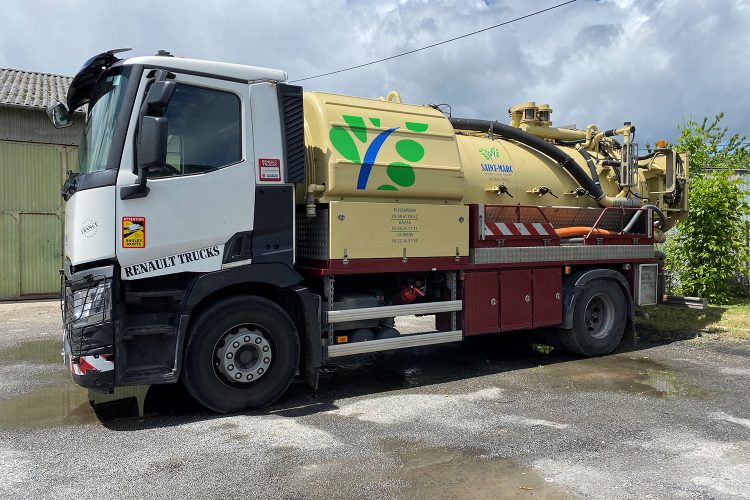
547	298
480	303
516	307
317	268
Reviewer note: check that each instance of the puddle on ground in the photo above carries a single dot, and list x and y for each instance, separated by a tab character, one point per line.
61	402
58	403
48	351
434	472
634	375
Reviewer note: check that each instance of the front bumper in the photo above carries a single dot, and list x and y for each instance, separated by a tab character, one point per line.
88	332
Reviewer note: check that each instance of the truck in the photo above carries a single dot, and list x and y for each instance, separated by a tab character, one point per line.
231	231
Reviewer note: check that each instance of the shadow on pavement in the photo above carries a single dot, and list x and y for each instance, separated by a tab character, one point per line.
380	373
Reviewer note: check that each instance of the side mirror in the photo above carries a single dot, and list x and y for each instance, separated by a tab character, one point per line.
151	150
153	131
158	97
59	115
151	154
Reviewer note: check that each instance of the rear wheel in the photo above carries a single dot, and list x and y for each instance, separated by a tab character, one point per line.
241	353
599	319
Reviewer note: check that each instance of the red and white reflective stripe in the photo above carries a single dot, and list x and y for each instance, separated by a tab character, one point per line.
541	229
501	229
91	363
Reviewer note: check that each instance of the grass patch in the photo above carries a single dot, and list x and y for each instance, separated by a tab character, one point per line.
732	320
542	348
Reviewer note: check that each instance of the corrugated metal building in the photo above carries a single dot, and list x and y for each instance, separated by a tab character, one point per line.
34	157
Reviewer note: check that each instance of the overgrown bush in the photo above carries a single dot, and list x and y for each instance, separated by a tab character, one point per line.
710	246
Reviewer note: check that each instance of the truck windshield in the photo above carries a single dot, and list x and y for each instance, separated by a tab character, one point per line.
104	107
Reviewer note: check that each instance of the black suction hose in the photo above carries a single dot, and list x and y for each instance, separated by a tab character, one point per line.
615	164
651	154
544	147
590	162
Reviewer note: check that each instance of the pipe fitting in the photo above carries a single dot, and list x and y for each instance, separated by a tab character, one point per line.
393	96
312	190
617	201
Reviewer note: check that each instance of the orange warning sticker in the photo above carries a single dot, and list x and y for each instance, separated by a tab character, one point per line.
133	232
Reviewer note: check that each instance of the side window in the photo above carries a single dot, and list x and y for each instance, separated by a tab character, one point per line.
204	131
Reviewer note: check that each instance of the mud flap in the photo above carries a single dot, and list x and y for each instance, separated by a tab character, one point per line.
312	348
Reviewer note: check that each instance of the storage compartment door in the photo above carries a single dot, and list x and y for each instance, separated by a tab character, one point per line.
515	306
480	303
547	299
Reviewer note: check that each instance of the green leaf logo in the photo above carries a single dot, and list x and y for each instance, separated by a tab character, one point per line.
490	154
400	173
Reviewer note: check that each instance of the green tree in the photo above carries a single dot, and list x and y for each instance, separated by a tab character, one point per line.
710	245
709	147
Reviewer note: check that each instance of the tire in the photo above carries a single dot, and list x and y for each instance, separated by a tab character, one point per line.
238	331
599	319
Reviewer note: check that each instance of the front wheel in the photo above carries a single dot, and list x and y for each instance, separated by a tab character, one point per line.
599	319
241	354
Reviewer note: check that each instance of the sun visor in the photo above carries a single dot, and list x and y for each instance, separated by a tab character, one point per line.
79	92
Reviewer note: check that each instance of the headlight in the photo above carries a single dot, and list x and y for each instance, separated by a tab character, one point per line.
90	305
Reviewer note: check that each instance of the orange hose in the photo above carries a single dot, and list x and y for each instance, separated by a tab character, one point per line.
571	232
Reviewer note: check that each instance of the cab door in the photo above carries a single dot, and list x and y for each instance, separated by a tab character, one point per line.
206	192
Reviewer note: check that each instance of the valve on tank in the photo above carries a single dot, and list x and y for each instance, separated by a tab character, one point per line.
544	115
530	113
523	113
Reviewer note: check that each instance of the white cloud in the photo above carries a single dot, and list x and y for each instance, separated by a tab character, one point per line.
650	62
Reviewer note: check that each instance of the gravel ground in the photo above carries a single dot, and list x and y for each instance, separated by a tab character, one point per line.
485	418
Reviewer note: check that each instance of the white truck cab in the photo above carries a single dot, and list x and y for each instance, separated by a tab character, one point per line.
186	169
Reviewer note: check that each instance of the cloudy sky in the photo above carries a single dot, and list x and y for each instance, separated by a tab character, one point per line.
651	62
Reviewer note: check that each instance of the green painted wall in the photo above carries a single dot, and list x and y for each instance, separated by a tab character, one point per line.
31	217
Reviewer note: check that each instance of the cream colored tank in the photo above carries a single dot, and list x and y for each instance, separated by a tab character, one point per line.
380	150
528	177
365	149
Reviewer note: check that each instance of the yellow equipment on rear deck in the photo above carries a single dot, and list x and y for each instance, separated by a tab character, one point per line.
370	158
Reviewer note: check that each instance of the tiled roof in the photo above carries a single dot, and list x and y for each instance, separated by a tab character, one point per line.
37	90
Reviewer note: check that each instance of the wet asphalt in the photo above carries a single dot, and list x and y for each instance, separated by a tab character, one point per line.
487	418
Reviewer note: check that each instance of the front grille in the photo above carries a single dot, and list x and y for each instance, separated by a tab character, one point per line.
86	303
